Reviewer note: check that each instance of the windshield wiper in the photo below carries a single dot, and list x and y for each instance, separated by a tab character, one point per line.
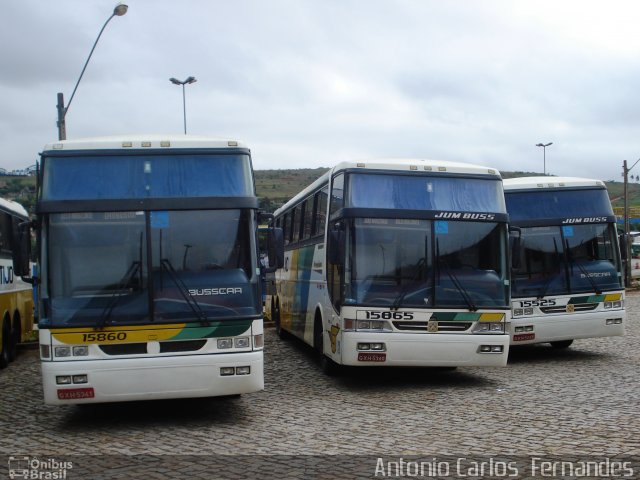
463	291
456	282
543	291
184	291
115	296
397	302
572	262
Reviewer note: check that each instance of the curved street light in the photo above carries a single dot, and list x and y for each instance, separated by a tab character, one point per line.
118	11
544	155
189	80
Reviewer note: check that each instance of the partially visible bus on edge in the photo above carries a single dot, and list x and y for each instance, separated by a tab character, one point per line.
16	297
567	281
397	263
150	281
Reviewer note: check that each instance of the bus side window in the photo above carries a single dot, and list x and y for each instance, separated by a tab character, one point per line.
321	211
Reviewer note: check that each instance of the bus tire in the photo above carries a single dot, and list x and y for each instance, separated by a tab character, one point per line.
562	344
6	341
328	366
16	337
275	316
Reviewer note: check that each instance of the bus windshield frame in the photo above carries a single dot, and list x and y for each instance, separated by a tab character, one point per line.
128	268
423	263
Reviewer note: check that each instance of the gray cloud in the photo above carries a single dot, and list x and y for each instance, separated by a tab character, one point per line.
308	83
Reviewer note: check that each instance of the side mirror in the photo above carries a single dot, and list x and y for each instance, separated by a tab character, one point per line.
515	234
335	252
623	240
275	247
21	249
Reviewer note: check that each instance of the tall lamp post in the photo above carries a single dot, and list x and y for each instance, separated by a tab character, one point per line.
627	246
189	80
544	155
118	11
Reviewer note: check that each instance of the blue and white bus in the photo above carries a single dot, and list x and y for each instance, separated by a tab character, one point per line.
150	280
568	279
398	263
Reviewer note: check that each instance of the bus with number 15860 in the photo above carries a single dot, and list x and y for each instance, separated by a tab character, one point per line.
149	275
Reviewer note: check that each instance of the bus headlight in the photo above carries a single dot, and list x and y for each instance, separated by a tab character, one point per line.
62	351
80	351
224	343
489	328
241	342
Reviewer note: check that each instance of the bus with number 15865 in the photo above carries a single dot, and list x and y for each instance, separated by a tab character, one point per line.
397	263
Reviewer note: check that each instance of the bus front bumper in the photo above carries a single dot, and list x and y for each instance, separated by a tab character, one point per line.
120	380
567	326
425	350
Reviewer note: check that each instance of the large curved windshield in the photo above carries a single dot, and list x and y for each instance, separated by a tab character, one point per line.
425	263
130	267
558	260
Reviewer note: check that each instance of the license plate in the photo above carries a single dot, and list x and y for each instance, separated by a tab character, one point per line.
75	393
372	357
519	337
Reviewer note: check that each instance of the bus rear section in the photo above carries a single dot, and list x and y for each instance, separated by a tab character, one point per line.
16	292
398	263
567	283
150	281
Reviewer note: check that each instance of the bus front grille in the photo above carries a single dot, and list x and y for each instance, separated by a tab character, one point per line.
424	326
578	307
141	348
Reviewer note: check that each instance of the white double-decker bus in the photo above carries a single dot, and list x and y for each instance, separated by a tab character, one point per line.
150	280
399	263
567	281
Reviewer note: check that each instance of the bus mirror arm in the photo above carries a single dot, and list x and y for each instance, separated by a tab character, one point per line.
264	217
30	280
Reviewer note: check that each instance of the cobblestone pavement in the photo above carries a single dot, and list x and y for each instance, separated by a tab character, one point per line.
582	401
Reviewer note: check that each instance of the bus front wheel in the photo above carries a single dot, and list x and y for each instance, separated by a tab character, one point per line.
328	366
6	343
275	316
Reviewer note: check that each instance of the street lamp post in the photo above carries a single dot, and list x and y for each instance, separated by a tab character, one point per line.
118	11
544	155
189	80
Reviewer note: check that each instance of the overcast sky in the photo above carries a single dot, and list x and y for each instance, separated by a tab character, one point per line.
308	83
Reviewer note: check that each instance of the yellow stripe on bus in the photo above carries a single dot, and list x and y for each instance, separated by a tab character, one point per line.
491	317
111	335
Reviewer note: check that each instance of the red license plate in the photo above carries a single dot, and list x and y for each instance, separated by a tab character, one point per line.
519	337
372	357
75	393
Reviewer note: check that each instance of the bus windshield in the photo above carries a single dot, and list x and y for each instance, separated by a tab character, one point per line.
558	260
425	263
103	265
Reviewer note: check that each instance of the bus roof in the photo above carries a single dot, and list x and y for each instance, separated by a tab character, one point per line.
13	208
535	183
396	164
124	142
